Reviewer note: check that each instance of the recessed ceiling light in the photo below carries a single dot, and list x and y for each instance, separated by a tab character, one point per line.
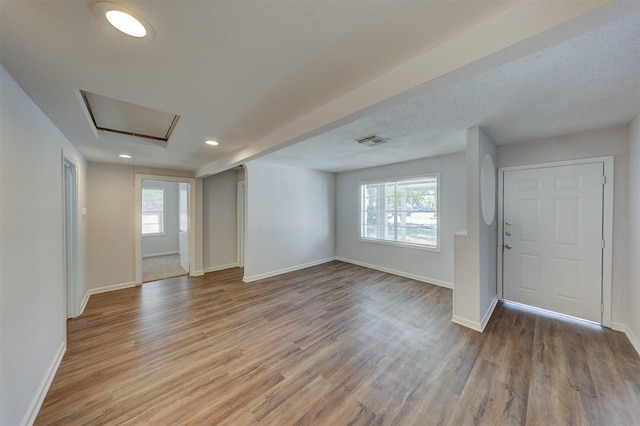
212	143
123	19
126	23
124	156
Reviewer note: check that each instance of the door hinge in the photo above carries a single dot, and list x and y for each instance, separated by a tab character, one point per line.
604	179
602	243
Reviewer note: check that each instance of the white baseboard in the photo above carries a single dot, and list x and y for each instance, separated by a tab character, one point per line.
220	267
83	305
399	273
34	407
249	279
635	342
112	287
618	326
197	273
144	256
487	315
104	289
474	325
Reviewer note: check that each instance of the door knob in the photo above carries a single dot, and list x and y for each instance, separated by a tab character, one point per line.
507	246
508	234
508	223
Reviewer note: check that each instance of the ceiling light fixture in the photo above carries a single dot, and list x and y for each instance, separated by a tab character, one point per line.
124	156
212	143
122	19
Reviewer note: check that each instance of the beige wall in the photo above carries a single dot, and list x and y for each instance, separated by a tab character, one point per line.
613	141
111	222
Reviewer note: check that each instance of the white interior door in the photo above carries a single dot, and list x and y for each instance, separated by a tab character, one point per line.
553	238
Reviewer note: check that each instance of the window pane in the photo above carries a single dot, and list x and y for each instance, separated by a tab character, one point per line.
402	211
152	210
151	223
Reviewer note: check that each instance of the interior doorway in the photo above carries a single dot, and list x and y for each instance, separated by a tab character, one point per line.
554	227
70	203
164	231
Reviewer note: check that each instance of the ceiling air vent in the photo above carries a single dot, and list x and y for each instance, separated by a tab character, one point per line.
372	140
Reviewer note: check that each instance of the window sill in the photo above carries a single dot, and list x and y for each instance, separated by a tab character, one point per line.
435	249
156	234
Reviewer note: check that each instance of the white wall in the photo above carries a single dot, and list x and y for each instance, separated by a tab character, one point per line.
219	227
474	293
290	218
633	330
32	283
488	234
429	266
153	245
111	223
603	142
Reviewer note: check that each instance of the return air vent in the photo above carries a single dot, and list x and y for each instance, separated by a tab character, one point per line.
113	115
372	140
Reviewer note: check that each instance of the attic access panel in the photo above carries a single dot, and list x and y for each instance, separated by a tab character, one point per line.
113	115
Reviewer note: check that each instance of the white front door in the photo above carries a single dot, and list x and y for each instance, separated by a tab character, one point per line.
552	238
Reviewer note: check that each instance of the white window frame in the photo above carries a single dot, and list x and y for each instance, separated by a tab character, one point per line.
396	181
164	211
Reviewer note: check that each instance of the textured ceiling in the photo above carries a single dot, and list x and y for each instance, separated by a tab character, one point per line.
233	71
588	82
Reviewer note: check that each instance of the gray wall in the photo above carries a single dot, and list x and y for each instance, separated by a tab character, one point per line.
32	278
290	218
597	143
430	266
220	216
634	234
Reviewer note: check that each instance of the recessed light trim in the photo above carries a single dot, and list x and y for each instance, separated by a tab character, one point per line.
125	156
212	143
123	19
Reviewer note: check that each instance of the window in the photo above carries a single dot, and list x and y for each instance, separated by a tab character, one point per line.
152	211
401	211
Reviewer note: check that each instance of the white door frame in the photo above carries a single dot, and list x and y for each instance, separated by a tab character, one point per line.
138	220
70	236
607	225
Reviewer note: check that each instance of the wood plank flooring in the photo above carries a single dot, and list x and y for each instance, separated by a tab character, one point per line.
335	344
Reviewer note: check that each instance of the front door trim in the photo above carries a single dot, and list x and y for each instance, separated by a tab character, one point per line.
607	225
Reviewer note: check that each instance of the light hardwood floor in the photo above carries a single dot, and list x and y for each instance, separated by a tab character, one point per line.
335	344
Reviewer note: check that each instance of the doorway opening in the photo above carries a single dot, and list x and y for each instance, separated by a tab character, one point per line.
70	204
164	231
